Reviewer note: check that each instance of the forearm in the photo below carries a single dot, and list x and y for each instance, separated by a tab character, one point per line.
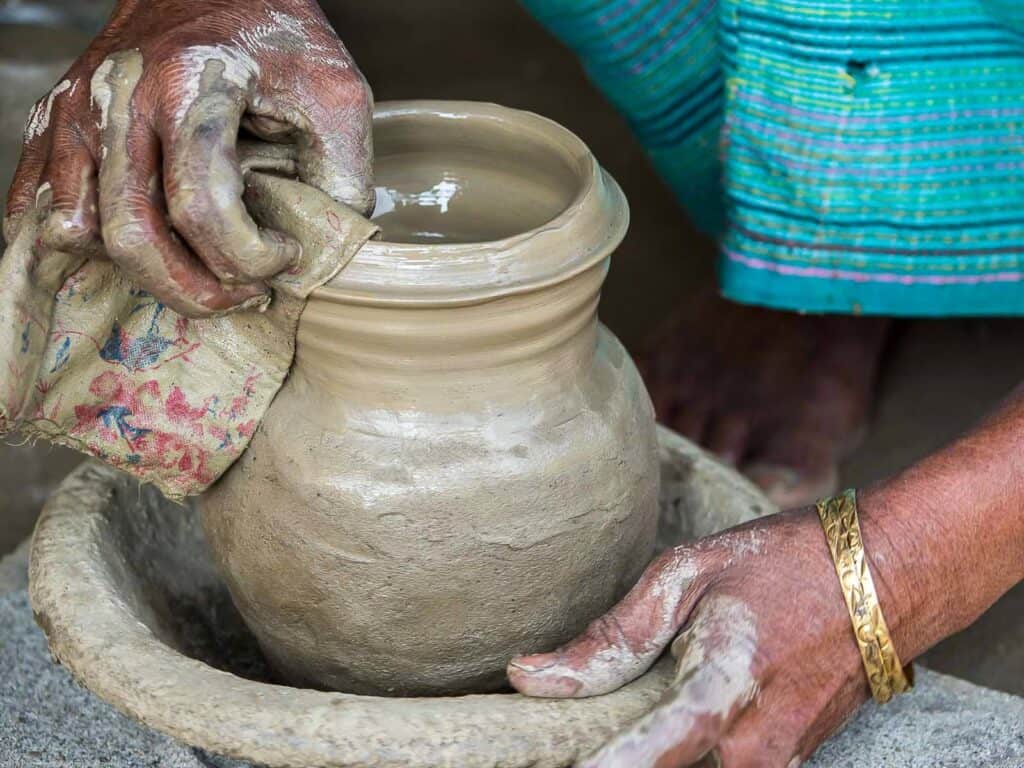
945	538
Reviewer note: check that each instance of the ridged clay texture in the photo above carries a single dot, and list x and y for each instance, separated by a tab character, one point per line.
463	464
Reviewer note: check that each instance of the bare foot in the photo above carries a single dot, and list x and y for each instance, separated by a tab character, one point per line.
781	396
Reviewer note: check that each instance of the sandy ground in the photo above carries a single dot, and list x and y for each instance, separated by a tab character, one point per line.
940	375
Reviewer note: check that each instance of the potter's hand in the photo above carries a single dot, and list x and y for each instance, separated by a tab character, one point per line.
140	136
767	663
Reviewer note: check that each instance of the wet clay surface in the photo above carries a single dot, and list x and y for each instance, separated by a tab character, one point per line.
438	183
459	444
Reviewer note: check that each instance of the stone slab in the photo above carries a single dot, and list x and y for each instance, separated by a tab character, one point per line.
46	720
943	723
14	569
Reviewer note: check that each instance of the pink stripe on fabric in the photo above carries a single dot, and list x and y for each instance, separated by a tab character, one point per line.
742	125
889	172
950	115
871	277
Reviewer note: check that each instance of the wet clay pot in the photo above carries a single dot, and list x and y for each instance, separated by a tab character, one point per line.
462	464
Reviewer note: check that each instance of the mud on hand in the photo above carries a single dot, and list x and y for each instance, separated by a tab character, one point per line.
134	155
767	667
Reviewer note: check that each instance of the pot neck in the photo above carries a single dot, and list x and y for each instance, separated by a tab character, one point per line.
421	356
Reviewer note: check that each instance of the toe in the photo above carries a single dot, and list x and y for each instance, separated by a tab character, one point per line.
690	419
727	435
790	487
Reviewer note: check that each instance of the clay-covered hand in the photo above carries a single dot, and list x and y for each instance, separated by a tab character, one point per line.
767	663
135	148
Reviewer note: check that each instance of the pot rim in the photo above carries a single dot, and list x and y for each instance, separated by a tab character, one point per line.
580	236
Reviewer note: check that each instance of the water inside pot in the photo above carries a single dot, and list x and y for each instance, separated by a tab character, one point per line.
439	183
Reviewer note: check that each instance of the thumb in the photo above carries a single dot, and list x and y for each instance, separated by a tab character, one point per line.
714	684
335	142
621	645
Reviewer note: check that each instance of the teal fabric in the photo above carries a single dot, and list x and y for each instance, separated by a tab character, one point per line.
854	157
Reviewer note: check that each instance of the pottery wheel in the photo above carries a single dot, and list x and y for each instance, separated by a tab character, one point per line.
124	588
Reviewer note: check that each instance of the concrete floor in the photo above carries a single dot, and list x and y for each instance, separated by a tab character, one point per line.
940	376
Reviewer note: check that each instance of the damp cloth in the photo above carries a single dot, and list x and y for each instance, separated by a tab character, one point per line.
94	363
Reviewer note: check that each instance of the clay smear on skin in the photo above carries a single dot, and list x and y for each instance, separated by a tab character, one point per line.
73	230
102	94
285	34
715	679
240	69
618	664
43	189
288	33
745	543
39	120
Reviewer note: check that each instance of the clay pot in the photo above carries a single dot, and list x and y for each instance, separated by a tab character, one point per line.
463	463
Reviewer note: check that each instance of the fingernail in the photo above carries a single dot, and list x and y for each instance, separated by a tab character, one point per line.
534	663
262	303
257	303
545	686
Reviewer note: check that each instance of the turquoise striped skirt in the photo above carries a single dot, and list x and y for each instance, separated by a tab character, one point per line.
853	157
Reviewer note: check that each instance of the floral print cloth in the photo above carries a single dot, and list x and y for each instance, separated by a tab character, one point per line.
93	363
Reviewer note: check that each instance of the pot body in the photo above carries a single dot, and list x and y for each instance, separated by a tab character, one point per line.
444	483
414	552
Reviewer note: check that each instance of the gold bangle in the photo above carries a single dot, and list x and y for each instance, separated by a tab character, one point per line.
886	675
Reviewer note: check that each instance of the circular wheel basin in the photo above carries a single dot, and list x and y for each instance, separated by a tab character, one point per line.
123	586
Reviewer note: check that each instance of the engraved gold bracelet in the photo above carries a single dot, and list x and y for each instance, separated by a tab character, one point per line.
886	675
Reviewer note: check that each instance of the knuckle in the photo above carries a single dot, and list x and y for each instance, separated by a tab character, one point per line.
358	93
61	232
53	109
612	627
183	210
199	212
608	631
124	236
27	173
18	201
200	204
347	98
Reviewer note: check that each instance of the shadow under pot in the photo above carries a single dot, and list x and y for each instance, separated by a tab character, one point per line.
462	465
